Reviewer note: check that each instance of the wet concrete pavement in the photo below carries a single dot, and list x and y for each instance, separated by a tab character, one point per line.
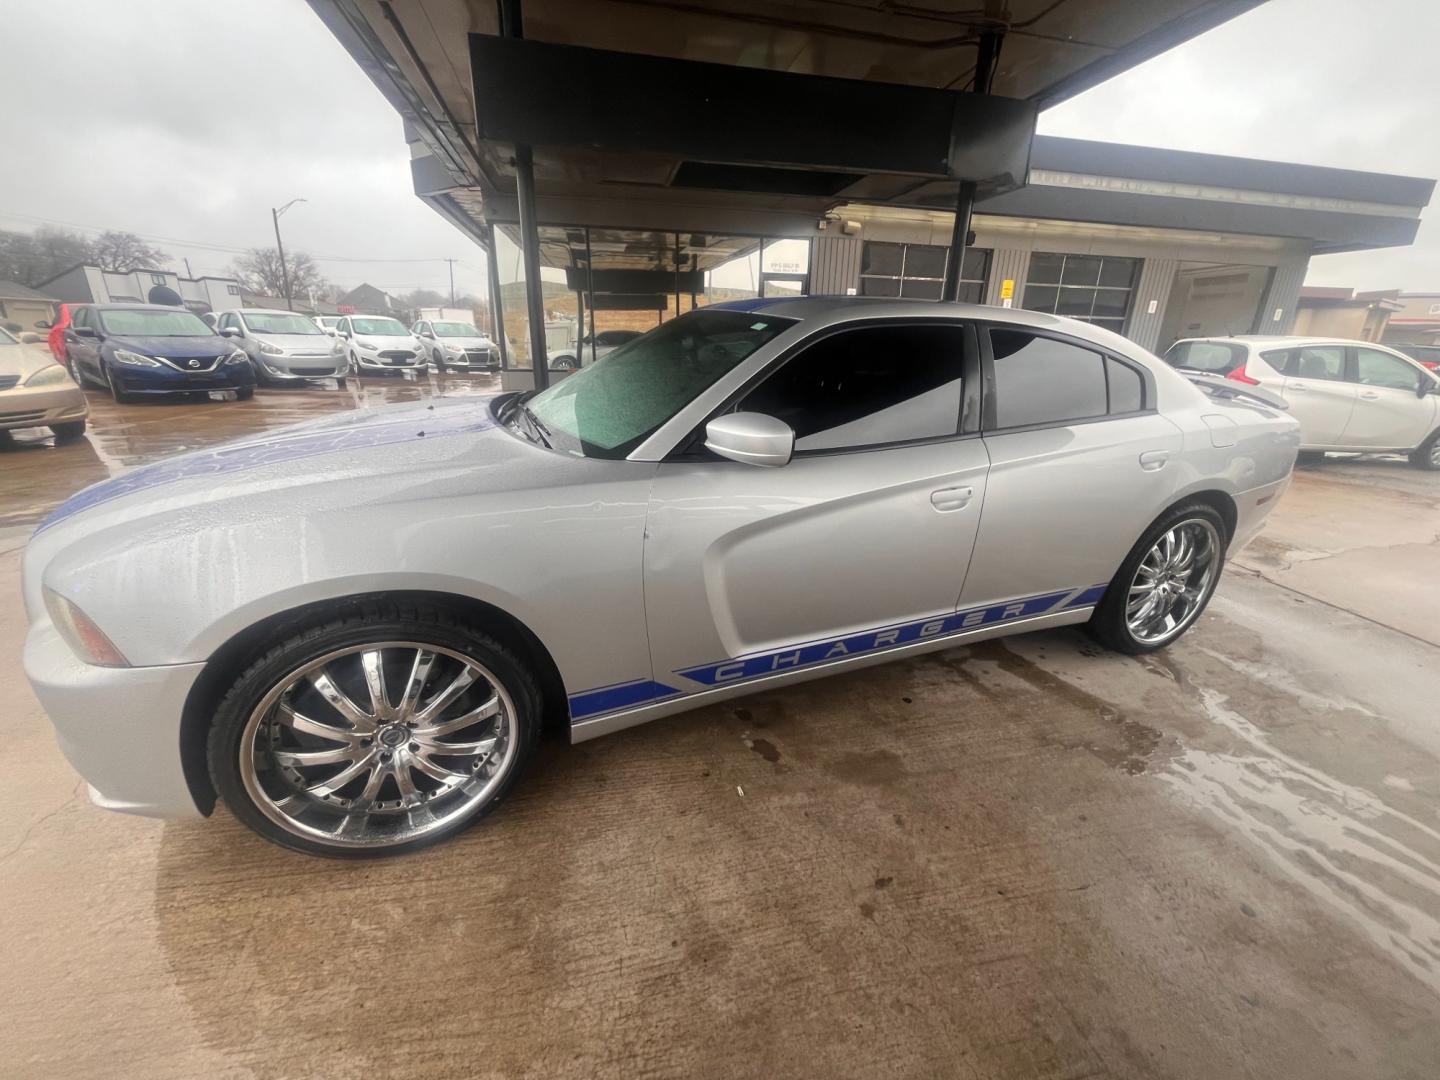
1025	858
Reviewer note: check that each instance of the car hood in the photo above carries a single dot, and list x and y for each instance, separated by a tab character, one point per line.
173	347
467	342
316	343
372	442
23	360
407	341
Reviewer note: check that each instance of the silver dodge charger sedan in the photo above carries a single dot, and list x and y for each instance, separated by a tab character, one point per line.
353	631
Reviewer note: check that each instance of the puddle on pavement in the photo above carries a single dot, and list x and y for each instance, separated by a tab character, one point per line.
1341	843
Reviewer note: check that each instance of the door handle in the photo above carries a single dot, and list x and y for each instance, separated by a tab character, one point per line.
1154	460
1369	395
1297	386
954	498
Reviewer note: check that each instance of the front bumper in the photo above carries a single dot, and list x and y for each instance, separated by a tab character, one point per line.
22	408
329	366
119	727
167	380
376	362
472	360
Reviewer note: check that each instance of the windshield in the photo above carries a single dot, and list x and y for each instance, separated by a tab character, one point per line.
381	327
1212	357
331	321
287	323
5	338
455	329
605	410
153	322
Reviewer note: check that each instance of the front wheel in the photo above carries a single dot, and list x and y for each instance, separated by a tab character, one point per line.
68	432
244	393
1427	454
121	397
374	733
1164	583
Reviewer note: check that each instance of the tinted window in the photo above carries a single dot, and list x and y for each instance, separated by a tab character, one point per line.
1375	368
1310	362
1127	388
1213	357
1039	380
883	384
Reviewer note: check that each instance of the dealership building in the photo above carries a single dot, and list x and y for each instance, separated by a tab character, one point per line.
646	149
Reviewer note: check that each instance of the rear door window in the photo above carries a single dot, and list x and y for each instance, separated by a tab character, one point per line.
1325	362
1042	380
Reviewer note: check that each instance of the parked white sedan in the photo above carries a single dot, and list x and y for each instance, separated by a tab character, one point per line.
376	343
1347	395
353	631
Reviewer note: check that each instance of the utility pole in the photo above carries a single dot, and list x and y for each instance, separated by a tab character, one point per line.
280	249
188	272
452	281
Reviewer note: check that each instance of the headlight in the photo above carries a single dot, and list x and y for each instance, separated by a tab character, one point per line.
134	359
49	376
271	350
86	640
237	357
456	349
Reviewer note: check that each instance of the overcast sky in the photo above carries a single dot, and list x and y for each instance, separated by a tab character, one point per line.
186	120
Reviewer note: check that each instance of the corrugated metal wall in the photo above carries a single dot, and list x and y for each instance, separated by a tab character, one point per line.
1284	295
1013	263
834	265
1157	278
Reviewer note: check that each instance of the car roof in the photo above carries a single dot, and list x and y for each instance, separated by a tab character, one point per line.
137	307
1284	341
266	311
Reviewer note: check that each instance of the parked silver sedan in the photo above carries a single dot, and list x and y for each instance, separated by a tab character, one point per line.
380	611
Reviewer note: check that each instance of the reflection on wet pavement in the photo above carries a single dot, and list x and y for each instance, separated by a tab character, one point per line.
39	474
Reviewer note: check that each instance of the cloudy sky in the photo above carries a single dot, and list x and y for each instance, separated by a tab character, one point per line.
186	120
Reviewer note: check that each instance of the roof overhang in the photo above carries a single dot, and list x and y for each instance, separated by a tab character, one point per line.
680	115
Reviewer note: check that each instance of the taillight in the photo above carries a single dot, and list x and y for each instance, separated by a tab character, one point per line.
1239	376
1433	365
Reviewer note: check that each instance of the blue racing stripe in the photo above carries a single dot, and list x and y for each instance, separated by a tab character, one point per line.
1090	596
609	698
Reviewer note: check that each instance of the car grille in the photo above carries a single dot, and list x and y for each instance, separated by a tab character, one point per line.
19	417
296	370
397	357
7	381
182	363
478	356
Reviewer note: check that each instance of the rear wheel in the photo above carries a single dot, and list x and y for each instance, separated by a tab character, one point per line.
1427	454
1164	583
1310	457
375	733
245	393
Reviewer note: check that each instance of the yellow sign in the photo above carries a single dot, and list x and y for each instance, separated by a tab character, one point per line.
1007	289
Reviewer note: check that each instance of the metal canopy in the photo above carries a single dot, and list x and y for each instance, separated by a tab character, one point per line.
418	55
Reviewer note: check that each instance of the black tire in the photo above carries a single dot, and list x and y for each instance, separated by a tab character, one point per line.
341	382
372	621
244	393
1310	457
68	432
1108	625
563	363
74	369
439	362
1427	454
122	397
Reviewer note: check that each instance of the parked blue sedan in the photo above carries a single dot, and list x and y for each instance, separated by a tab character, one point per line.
139	350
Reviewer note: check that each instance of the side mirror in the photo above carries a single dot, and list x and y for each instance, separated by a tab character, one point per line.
230	331
751	438
84	331
44	325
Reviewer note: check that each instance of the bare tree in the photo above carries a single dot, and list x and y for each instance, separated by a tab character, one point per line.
31	258
121	252
260	272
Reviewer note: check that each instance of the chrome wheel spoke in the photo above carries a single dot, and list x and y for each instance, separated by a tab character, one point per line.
464	720
415	685
423	764
465	749
343	777
299	759
406	783
341	703
436	705
373	664
305	725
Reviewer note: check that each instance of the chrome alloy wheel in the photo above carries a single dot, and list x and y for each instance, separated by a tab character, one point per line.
1435	454
378	744
1173	581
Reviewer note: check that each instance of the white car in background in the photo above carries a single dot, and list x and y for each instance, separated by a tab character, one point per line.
456	345
379	343
1351	396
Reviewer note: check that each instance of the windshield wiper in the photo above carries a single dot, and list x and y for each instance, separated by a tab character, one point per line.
540	429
